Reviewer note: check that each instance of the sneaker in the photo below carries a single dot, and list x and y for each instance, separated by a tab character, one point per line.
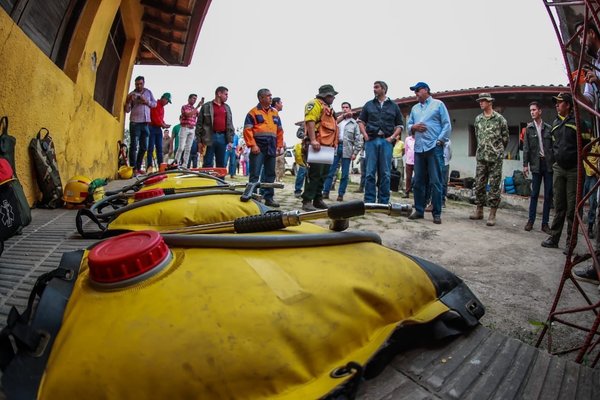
405	196
550	243
546	228
437	219
415	215
297	194
444	204
271	203
528	226
359	191
340	198
587	274
307	206
319	203
429	208
326	195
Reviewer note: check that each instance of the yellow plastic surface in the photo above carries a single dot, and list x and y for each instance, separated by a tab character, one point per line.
177	213
237	323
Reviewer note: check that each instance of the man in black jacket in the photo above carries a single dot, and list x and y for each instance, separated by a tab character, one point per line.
537	158
564	150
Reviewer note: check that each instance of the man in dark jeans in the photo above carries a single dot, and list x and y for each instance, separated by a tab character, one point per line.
564	152
380	123
537	156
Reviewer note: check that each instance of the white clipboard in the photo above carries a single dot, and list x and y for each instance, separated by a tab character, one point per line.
323	156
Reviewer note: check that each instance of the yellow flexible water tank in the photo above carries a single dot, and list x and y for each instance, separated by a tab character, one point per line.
151	321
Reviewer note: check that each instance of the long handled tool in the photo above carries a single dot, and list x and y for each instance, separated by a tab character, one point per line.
274	220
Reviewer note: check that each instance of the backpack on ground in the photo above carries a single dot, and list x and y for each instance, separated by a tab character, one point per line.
7	143
46	168
509	185
14	209
522	184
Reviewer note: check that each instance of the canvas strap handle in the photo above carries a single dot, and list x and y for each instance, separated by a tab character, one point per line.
40	133
4	124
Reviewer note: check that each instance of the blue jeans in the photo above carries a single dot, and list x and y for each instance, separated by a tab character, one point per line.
428	167
257	162
216	151
193	160
300	175
446	177
138	135
345	171
231	161
378	154
155	142
536	182
589	182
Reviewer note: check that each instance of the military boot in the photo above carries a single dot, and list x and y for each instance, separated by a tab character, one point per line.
492	217
477	213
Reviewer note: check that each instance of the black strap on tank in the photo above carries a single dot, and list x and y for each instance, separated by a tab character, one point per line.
33	334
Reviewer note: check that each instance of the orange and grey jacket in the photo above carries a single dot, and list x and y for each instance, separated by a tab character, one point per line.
262	128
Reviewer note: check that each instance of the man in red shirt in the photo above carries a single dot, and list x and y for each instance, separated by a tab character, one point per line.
157	123
214	128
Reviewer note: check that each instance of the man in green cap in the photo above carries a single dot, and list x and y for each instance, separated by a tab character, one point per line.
157	124
321	131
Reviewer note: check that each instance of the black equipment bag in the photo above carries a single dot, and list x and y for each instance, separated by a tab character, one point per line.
7	143
14	209
46	168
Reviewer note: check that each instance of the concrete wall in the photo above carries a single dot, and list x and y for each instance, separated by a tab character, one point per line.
461	119
35	93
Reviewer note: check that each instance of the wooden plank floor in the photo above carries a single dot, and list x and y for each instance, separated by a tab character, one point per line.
481	365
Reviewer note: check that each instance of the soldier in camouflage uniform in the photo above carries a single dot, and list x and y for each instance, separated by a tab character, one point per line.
491	130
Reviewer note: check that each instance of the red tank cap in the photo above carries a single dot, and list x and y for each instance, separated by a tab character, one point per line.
155	179
127	256
148	194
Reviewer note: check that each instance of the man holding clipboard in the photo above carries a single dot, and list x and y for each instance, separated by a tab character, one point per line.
322	133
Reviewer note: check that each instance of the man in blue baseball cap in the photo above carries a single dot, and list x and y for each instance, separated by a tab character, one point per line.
430	122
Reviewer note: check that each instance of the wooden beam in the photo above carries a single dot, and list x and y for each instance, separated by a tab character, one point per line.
160	37
154	52
159	6
156	21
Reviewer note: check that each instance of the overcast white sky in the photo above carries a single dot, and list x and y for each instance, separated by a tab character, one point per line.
293	47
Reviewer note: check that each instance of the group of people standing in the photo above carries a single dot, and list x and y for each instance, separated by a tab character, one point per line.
210	123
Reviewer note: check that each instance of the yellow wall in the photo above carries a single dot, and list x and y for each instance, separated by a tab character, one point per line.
35	93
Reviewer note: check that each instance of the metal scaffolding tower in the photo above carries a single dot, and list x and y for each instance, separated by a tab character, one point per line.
566	17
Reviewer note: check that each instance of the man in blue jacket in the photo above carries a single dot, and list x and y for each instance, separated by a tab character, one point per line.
380	123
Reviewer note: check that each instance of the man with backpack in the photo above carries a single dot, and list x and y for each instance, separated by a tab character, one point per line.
321	131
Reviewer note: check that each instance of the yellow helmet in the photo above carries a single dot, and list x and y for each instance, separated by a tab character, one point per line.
125	172
76	189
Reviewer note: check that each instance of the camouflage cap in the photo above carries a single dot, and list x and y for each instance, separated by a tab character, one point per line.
327	90
485	96
563	96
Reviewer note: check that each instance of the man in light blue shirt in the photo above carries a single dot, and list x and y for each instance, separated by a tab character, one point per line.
430	122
